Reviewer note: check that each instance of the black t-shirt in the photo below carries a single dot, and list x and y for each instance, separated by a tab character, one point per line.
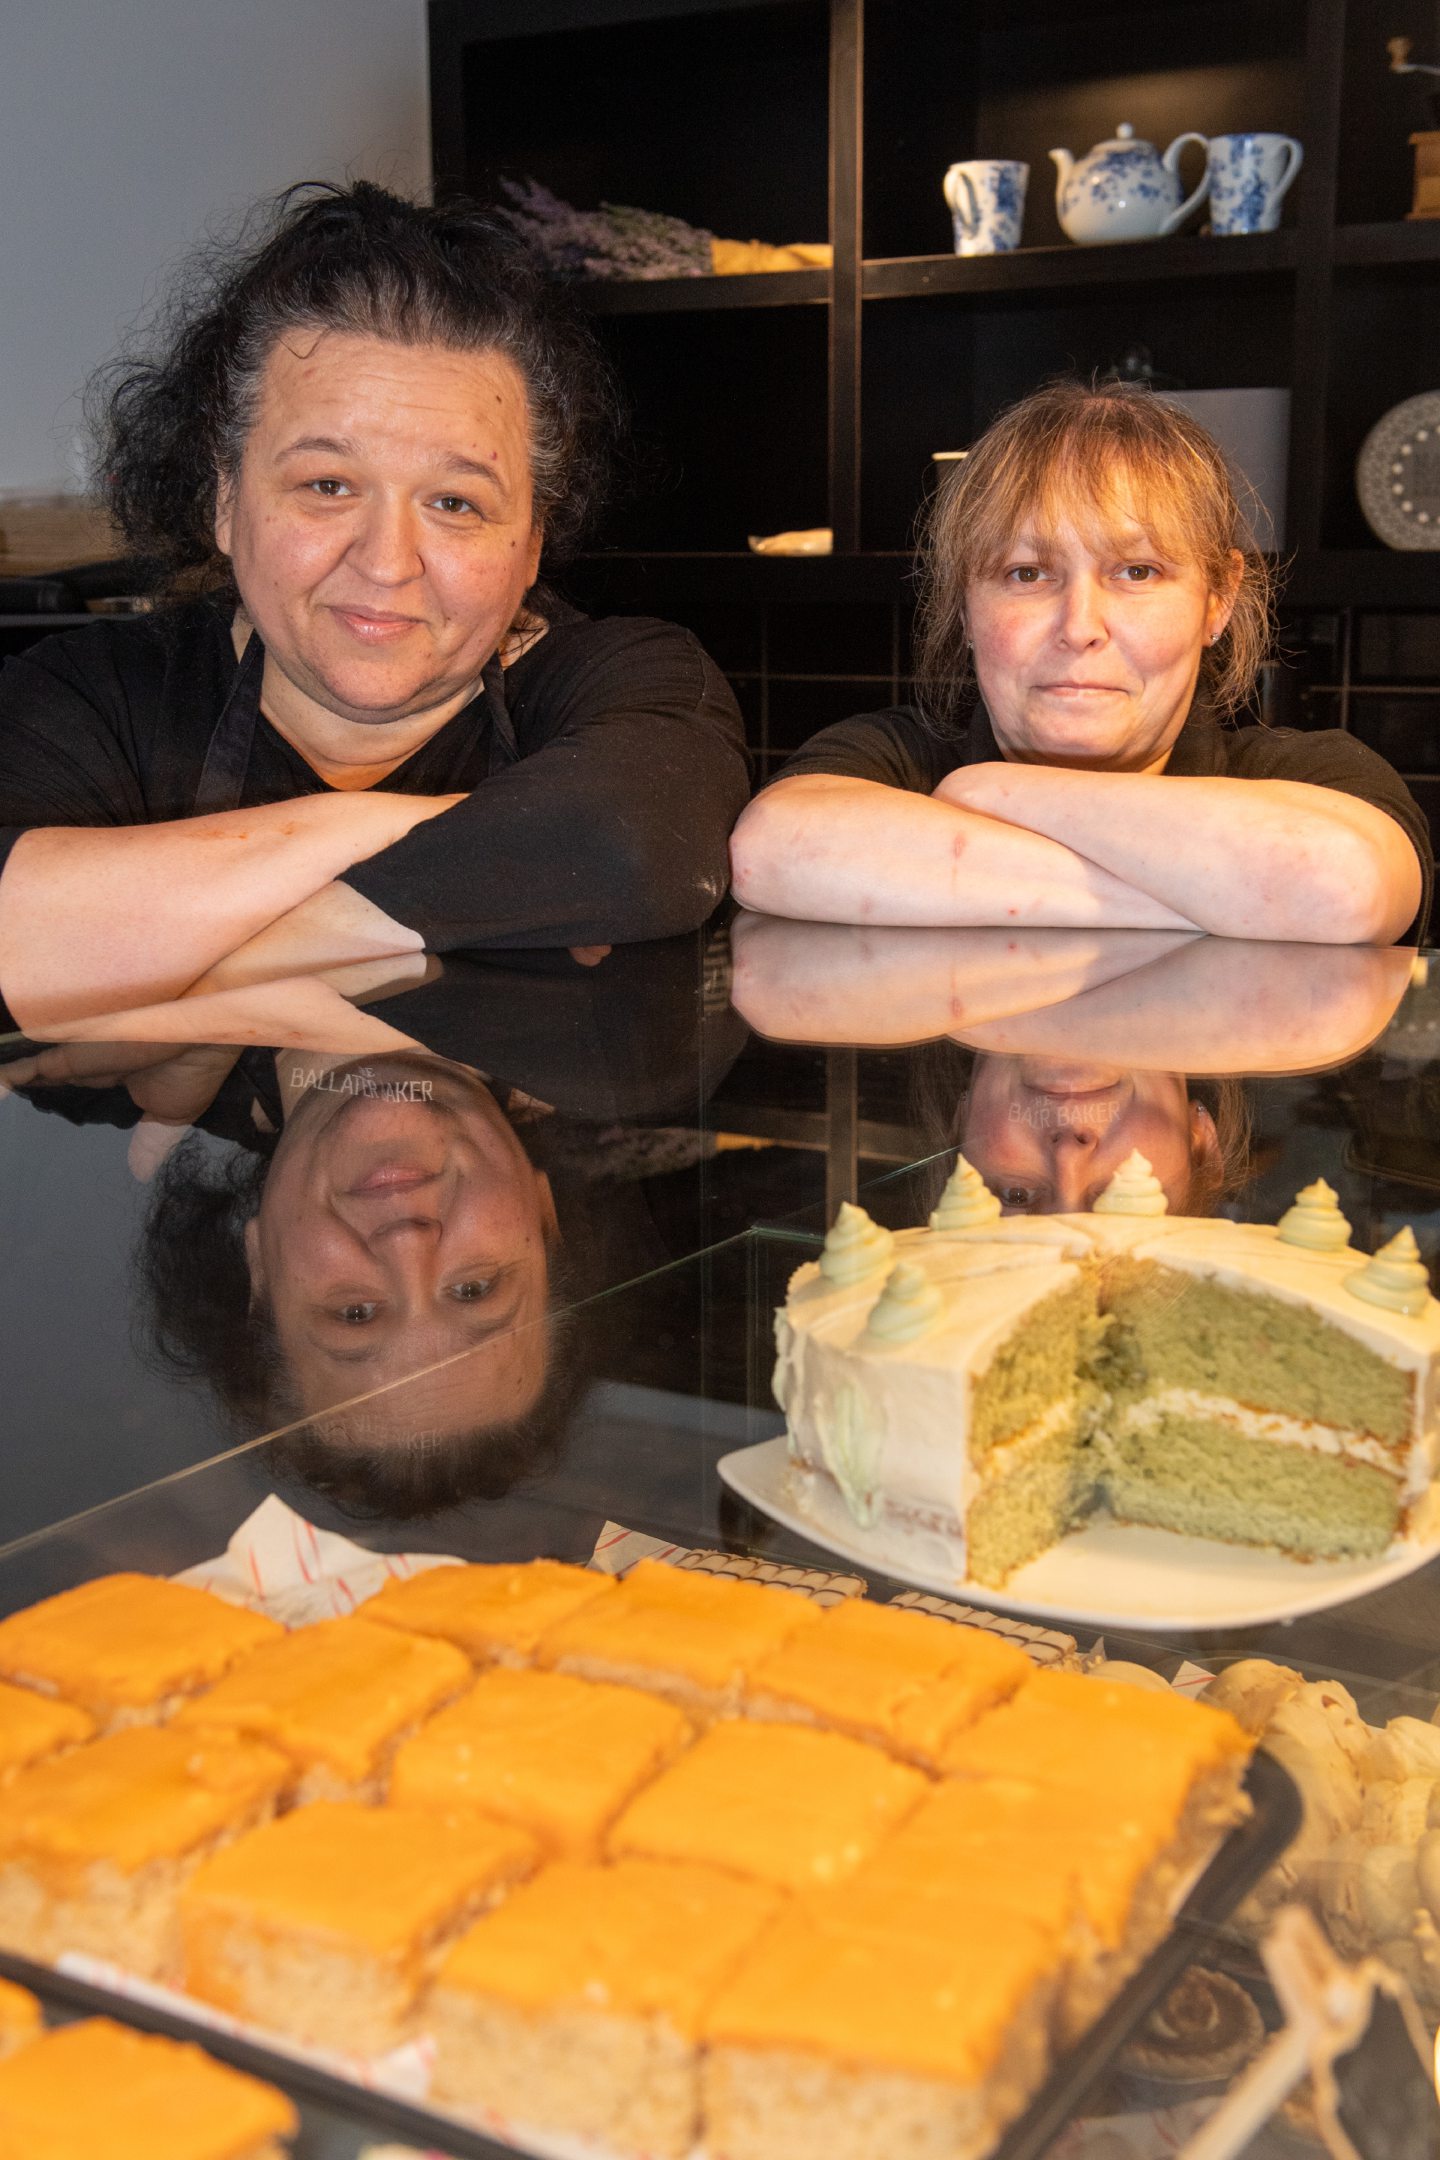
610	826
899	749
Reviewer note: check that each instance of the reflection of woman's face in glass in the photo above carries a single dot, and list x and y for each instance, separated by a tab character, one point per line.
1048	1134
400	1227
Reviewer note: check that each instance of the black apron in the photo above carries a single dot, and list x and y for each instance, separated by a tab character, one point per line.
227	756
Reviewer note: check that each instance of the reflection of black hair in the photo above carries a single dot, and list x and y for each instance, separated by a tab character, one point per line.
399	1480
203	1323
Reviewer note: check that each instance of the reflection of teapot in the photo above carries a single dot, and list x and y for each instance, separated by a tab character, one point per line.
1124	189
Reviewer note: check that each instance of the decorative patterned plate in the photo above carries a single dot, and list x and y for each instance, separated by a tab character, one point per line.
1397	474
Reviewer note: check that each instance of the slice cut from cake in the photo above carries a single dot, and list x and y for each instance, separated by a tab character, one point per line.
95	1845
559	1756
33	1727
576	2006
325	1925
495	1614
337	1698
898	1679
859	2026
965	1393
97	2087
128	1648
781	1804
691	1636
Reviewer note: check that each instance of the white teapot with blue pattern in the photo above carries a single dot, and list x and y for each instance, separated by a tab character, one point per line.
1124	189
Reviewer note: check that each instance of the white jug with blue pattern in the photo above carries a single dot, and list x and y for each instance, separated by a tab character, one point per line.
1124	189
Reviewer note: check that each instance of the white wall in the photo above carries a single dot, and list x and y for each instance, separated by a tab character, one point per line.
129	126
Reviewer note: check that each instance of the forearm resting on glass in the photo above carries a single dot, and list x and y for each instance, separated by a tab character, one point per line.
826	849
93	918
1242	858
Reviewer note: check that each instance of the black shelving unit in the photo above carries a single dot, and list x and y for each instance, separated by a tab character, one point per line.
816	397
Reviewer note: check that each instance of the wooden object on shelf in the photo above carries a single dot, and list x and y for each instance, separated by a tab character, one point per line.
1426	145
41	533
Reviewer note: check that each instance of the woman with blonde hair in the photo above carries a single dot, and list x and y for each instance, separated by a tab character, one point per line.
1090	573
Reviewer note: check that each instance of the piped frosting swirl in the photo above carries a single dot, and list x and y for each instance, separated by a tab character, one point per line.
1134	1190
1315	1220
907	1307
967	1201
1396	1278
855	1247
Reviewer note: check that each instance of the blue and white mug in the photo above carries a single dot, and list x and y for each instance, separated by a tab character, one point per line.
986	199
1249	176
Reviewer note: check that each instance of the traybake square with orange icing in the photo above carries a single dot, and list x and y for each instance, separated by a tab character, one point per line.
691	1636
33	1727
1146	1748
98	2088
1102	1868
337	1699
128	1648
94	1845
854	2029
576	2004
324	1925
494	1613
557	1755
901	1679
783	1804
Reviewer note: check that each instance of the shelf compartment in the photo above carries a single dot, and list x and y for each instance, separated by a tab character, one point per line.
688	295
719	578
1394	243
1363	577
1038	269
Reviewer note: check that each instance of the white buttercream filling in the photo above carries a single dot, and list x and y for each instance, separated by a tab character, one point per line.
1413	1465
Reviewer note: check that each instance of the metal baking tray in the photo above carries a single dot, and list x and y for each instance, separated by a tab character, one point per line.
1237	1864
1233	1869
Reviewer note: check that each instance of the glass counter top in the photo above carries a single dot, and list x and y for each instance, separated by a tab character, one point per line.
488	1265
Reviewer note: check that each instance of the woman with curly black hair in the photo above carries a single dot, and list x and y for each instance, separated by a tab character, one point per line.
361	724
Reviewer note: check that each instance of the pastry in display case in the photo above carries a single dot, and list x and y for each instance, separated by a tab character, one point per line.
97	2087
96	1845
632	1974
126	1649
323	1924
989	1382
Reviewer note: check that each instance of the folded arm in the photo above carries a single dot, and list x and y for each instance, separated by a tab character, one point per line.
1241	858
829	849
95	918
612	831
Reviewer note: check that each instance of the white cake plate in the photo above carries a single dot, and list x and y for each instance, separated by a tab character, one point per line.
1109	1574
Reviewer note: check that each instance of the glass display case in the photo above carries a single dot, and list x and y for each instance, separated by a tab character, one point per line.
490	1270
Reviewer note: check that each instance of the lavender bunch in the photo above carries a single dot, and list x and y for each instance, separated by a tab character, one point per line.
614	241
